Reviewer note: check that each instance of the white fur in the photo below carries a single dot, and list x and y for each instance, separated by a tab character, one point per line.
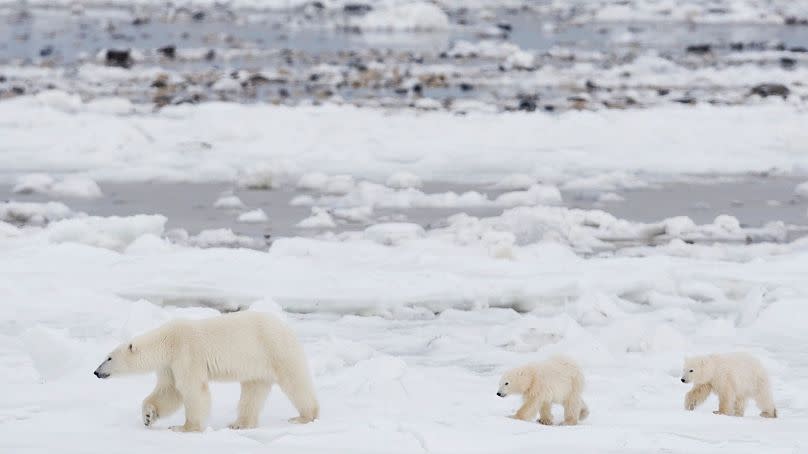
735	377
255	349
557	380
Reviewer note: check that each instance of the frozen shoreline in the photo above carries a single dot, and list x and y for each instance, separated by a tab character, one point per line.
222	142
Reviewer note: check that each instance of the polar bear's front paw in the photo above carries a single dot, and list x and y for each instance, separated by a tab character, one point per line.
149	414
241	425
690	406
546	421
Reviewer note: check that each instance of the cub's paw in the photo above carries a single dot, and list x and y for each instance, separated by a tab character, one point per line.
186	428
149	414
300	420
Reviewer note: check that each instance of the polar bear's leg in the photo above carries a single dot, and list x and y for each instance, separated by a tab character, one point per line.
253	396
196	398
584	411
546	413
765	402
697	395
572	410
740	405
163	401
726	400
528	410
300	391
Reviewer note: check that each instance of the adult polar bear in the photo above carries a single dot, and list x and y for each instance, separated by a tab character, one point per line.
254	349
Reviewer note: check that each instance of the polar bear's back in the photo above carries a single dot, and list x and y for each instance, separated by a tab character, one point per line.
244	346
745	372
559	377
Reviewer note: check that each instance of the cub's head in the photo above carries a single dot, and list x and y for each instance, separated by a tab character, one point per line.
696	370
514	381
123	360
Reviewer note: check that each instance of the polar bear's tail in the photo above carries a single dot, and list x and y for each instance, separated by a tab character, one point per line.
584	411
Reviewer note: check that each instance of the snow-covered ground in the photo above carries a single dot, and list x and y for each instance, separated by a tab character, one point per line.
406	338
407	324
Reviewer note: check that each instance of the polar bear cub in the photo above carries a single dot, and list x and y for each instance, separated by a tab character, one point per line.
255	349
557	380
735	377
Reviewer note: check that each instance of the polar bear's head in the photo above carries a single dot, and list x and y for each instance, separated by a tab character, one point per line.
696	370
143	354
514	381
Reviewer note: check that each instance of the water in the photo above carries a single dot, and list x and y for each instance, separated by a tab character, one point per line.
754	201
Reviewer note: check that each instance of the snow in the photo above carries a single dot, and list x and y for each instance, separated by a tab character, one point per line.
407	326
406	339
264	146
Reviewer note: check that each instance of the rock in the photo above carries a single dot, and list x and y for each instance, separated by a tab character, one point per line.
505	27
357	8
699	49
798	50
793	20
787	62
119	58
771	89
169	51
685	100
465	86
527	103
46	51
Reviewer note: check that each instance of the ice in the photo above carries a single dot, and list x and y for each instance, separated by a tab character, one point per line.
412	16
71	186
230	202
221	238
115	233
32	213
254	216
393	234
404	180
320	219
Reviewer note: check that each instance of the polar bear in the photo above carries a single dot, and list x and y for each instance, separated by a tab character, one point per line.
255	349
557	380
735	377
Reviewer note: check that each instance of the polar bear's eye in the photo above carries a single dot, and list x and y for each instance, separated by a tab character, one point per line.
109	358
506	383
691	370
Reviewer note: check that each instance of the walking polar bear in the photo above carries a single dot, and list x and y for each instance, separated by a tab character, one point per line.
735	377
255	349
557	380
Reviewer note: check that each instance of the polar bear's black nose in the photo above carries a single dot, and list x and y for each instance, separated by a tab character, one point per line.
99	375
500	394
683	381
